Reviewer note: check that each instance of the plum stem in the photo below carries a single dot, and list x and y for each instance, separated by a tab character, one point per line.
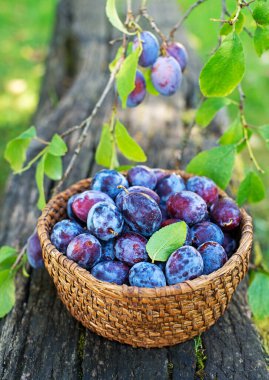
124	188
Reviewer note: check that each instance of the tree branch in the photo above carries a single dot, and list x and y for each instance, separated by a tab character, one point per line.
185	16
85	125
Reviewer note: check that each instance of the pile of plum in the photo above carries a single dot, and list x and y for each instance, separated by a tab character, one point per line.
109	226
166	69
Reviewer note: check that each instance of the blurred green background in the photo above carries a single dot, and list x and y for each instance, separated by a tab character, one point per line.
26	27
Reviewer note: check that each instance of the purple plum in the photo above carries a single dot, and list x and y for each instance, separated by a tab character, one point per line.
131	248
166	75
214	256
111	271
85	250
146	275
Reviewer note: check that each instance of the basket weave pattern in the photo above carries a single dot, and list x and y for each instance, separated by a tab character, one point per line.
141	317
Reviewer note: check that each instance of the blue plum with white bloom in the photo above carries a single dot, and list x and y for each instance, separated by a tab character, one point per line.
150	48
206	231
107	181
105	221
214	256
203	186
141	175
146	275
111	271
184	264
179	52
166	75
171	184
63	232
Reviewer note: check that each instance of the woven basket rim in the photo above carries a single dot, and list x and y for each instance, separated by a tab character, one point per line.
114	290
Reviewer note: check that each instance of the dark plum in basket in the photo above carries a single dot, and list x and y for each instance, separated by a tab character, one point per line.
111	271
107	181
131	248
141	213
146	275
226	214
105	221
214	256
206	231
187	206
142	176
169	185
185	263
136	189
82	203
85	250
63	232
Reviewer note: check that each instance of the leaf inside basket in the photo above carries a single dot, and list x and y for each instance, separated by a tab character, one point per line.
165	241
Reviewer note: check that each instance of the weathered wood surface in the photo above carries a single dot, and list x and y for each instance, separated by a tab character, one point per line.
39	339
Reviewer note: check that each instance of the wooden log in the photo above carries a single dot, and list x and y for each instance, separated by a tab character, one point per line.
39	339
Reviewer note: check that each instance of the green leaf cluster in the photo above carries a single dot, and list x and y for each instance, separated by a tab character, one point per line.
117	137
258	295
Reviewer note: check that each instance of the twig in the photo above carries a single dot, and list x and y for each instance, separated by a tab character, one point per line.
245	129
19	257
154	26
184	17
85	125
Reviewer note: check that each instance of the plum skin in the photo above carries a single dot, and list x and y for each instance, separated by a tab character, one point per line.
187	206
203	186
166	75
111	271
85	250
136	189
179	52
226	214
229	244
206	231
83	202
107	181
169	185
141	175
105	221
146	275
130	248
139	92
141	213
184	264
63	232
34	251
150	48
214	256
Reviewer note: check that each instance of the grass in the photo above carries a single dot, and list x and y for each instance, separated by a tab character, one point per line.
25	29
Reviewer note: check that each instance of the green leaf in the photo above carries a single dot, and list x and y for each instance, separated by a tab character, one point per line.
225	69
57	146
258	295
7	252
112	15
264	133
53	167
8	256
15	152
227	28
208	110
261	13
149	85
127	145
165	241
234	134
216	163
125	79
261	40
104	152
124	168
118	55
7	292
39	177
251	189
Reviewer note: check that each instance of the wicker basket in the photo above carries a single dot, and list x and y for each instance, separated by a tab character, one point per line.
141	317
